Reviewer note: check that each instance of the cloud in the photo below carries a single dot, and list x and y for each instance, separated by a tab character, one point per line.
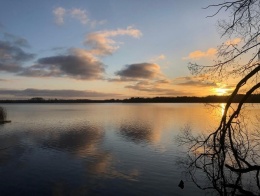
78	64
9	52
10	68
16	40
158	88
102	43
46	93
75	63
121	79
158	58
194	81
59	14
76	13
144	86
95	23
198	54
58	48
12	54
233	42
80	15
141	70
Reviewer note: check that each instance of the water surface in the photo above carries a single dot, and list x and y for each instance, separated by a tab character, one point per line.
97	149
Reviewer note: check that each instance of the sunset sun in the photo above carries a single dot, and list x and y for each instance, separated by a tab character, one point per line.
220	91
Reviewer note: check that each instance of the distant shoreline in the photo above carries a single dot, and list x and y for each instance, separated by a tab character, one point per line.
183	99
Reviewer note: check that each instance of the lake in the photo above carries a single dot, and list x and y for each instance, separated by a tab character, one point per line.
98	149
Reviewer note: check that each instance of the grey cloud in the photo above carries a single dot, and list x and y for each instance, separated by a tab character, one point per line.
58	48
196	83
163	81
12	55
127	79
10	52
13	68
155	89
140	70
16	40
73	65
189	81
55	93
139	87
35	71
121	79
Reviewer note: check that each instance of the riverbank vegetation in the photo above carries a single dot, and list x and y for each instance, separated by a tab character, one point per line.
254	98
3	116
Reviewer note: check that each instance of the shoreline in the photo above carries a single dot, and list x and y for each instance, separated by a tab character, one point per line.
183	99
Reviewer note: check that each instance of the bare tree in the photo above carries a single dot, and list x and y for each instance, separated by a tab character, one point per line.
229	157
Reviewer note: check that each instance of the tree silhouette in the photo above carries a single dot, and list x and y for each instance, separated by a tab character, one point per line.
229	157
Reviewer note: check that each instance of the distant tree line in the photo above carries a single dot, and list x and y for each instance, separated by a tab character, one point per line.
254	98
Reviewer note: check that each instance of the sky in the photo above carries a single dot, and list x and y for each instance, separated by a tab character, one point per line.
103	49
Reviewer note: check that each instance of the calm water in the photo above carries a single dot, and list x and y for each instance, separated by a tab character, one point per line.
97	149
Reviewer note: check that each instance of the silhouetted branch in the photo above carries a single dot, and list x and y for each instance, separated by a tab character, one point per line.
230	153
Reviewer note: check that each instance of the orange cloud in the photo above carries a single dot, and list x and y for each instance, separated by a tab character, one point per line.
200	54
102	42
233	41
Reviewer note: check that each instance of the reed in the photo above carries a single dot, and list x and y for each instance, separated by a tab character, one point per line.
3	114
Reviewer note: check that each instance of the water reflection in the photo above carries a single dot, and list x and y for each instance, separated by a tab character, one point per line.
88	149
100	163
10	149
43	151
228	157
80	140
136	132
85	142
222	106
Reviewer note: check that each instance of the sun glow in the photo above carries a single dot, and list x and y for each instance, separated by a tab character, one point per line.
221	91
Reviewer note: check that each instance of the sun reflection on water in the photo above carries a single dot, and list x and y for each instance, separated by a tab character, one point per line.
222	106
